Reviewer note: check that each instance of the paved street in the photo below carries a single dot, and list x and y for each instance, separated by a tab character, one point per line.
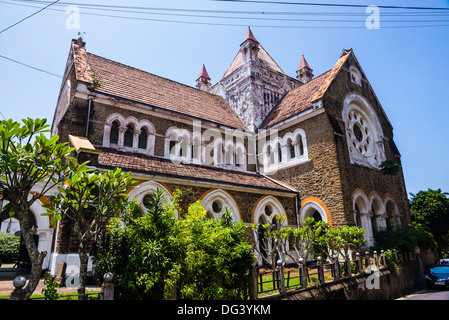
427	295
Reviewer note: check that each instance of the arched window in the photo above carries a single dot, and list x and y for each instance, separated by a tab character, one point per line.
356	76
216	201
240	156
143	139
279	152
229	156
114	132
364	134
129	136
178	145
291	149
196	150
300	145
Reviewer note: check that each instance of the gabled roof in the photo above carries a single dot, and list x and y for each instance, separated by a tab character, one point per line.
302	98
128	83
140	163
295	101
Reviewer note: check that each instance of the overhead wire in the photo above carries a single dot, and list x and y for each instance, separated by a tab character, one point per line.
146	10
29	66
27	17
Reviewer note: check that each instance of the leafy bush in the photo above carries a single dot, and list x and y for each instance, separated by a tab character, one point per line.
155	255
405	238
9	247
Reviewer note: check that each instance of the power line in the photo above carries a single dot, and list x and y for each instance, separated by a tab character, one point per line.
115	8
20	21
27	65
332	4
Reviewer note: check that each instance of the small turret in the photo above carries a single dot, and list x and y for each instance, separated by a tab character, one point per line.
304	72
203	81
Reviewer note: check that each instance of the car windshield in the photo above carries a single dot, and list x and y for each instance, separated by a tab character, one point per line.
444	262
441	269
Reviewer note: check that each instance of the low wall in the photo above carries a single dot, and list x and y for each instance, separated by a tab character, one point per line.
378	285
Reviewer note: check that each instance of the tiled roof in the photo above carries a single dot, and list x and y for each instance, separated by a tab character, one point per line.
164	167
122	81
295	101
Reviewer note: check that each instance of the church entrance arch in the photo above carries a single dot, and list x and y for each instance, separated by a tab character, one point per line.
43	236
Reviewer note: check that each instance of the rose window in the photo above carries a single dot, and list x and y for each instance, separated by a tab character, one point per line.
360	134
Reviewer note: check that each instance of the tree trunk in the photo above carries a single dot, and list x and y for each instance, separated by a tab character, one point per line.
36	257
84	259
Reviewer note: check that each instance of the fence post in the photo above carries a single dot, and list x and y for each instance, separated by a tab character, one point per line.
18	293
320	270
367	259
107	288
348	268
383	258
376	259
253	283
302	273
336	268
359	262
281	284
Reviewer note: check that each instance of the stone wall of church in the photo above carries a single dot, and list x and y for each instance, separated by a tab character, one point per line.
353	175
246	201
320	177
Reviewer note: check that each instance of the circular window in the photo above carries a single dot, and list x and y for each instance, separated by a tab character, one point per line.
217	206
360	133
268	210
147	199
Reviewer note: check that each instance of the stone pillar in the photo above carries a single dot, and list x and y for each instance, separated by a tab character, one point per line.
107	288
302	273
18	293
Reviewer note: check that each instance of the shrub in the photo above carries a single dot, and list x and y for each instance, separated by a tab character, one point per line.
9	247
155	255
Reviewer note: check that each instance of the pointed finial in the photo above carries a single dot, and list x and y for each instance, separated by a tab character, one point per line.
249	35
204	73
303	63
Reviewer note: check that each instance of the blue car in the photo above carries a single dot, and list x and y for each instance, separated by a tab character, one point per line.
437	277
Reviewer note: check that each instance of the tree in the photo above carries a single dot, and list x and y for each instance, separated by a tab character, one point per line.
431	209
29	160
90	199
215	256
156	256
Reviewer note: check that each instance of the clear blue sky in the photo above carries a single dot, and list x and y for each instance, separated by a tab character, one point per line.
407	67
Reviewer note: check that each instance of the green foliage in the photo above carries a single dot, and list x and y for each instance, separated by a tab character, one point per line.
393	264
405	238
154	255
215	256
49	291
9	247
431	210
96	82
390	167
311	239
27	157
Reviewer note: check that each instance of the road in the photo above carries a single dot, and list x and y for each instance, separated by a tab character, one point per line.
427	295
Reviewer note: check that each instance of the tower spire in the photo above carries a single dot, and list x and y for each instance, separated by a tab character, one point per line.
203	81
304	72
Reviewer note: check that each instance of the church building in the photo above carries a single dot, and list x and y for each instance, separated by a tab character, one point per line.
257	141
